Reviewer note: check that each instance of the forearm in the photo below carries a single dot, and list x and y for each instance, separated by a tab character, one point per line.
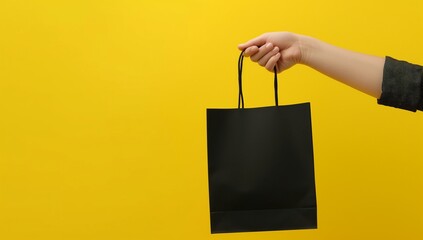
360	71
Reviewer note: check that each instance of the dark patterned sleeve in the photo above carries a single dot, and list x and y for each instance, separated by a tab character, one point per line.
402	85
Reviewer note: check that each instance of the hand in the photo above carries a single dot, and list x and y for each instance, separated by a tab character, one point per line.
280	49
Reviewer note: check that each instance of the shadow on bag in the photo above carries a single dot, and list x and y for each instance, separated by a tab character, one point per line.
260	166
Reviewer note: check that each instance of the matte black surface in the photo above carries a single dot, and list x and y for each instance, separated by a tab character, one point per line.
261	170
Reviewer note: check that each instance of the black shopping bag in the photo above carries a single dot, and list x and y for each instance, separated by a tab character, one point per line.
260	166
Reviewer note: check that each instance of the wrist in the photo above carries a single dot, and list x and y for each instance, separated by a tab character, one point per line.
308	48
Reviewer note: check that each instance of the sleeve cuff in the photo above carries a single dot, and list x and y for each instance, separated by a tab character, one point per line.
402	85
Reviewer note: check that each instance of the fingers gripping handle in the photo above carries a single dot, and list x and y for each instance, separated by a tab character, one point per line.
240	94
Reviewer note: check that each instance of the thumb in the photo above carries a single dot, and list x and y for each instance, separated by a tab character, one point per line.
258	41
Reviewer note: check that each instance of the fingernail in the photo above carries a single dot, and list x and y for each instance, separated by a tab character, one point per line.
269	45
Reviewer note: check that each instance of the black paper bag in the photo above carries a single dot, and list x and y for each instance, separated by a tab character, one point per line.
260	166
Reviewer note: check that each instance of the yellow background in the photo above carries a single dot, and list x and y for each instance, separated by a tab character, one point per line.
103	106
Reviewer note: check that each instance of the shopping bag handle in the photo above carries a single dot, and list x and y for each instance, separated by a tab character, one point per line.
240	95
